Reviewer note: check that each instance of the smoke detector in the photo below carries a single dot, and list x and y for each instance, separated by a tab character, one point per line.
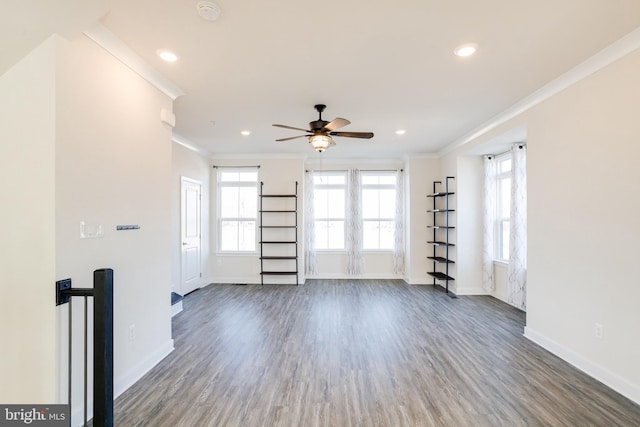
208	10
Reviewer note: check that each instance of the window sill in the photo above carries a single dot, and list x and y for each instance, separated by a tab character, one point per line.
501	263
238	254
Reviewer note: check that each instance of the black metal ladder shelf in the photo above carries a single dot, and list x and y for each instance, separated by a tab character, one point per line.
278	229
441	241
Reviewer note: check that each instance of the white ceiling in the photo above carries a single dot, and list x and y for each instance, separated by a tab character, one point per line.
382	65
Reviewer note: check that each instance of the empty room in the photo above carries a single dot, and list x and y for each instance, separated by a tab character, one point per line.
334	214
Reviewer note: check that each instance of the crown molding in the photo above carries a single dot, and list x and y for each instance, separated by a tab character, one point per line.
258	156
188	144
600	60
116	47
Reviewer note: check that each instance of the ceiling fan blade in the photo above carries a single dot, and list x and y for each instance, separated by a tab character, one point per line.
291	127
365	135
292	137
336	123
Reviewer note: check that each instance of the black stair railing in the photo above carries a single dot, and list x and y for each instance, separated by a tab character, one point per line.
102	293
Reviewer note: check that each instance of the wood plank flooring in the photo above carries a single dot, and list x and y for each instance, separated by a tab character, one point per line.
360	353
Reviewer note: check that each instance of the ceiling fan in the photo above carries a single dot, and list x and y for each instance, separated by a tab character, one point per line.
321	131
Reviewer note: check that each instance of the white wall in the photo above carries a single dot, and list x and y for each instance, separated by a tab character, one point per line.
468	233
113	167
27	252
583	229
500	276
189	164
583	224
86	145
421	171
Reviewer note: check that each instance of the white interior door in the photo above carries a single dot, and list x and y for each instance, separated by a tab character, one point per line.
191	236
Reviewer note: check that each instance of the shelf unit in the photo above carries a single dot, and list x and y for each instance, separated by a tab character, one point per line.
441	241
278	234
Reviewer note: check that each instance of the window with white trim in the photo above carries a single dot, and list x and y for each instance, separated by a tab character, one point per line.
238	209
378	190
329	201
503	208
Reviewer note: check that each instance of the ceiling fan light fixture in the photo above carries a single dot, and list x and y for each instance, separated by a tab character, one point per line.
320	142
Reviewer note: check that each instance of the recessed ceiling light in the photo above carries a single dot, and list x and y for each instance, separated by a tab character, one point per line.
467	49
401	132
167	55
246	132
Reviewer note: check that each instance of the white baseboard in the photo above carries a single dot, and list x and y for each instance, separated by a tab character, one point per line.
123	382
176	308
229	280
418	281
342	276
600	373
471	291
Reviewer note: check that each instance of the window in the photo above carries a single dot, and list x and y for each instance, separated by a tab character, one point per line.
238	204
378	210
329	196
503	209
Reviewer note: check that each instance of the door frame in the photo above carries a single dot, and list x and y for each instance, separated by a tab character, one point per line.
184	181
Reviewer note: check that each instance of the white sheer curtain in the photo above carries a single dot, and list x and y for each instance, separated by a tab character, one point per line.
354	224
310	261
517	281
488	226
398	236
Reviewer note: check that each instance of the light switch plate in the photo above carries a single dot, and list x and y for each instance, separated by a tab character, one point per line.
91	230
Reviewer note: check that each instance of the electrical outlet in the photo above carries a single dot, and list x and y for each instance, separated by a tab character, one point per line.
132	332
599	330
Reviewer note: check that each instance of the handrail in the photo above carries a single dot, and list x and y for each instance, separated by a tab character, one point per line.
102	293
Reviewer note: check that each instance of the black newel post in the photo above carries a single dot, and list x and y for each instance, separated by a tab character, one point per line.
103	348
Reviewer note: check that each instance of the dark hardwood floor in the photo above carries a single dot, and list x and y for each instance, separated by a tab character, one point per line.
361	353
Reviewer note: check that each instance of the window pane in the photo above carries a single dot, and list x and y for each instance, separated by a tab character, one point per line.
504	166
229	235
228	176
388	179
370	204
248	202
335	203
229	202
246	236
320	207
370	179
329	179
504	197
321	231
248	176
336	179
387	203
335	235
504	239
370	235
386	234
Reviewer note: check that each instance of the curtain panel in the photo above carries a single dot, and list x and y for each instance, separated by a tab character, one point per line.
517	270
310	260
398	236
489	220
354	224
